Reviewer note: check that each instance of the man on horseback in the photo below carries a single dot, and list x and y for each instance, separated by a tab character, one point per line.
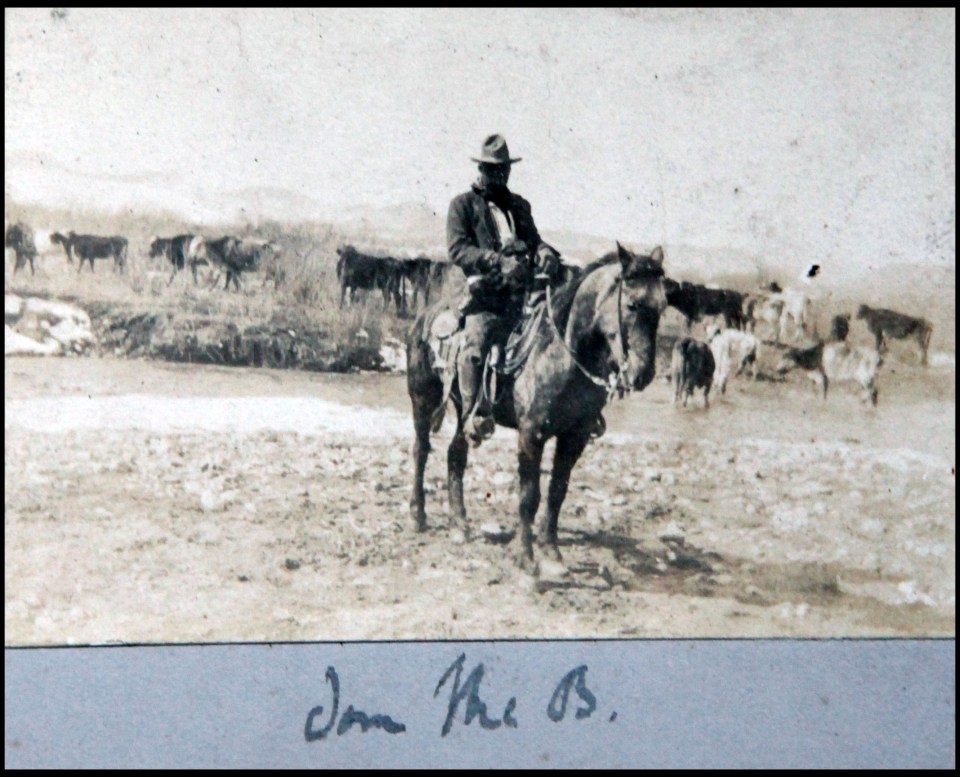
492	237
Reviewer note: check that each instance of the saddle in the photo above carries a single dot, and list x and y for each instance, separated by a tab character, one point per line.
442	333
522	339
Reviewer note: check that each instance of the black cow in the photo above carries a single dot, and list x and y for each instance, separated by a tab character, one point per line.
234	255
362	271
695	301
19	237
424	275
888	323
90	247
693	367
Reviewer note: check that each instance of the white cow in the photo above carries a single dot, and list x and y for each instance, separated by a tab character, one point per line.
786	312
836	362
796	306
732	347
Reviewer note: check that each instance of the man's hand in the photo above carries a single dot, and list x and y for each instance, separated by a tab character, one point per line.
509	266
548	261
490	264
515	247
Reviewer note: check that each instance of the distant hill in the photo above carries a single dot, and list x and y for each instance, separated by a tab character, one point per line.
155	203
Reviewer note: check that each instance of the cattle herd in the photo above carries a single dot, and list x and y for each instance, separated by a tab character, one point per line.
784	313
232	256
390	276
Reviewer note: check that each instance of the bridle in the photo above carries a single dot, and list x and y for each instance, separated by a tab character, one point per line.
616	381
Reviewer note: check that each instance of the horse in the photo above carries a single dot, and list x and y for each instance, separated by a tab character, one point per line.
597	334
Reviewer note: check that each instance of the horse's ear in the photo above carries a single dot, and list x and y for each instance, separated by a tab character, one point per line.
625	256
657	255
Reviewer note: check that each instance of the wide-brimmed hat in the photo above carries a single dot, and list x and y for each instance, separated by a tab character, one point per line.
495	152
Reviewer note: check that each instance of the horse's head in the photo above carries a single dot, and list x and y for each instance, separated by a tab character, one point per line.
630	313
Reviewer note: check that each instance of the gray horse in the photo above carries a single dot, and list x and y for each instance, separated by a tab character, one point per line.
598	335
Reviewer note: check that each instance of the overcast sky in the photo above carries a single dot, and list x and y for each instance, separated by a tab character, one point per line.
804	133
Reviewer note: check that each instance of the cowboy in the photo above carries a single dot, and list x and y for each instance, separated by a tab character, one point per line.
491	236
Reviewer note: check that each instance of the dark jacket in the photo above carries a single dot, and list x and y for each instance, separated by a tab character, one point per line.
472	234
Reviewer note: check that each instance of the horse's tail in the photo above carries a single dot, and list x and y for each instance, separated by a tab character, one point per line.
339	267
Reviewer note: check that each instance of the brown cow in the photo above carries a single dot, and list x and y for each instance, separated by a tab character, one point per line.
885	323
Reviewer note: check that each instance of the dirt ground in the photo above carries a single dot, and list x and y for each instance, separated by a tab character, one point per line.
152	502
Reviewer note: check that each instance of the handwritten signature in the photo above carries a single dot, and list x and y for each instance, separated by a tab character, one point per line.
464	694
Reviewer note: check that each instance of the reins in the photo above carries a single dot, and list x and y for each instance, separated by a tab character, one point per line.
614	380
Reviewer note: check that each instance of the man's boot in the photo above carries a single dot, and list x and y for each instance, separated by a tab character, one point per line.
478	423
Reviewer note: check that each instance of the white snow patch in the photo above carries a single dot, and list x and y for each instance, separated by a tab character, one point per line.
204	414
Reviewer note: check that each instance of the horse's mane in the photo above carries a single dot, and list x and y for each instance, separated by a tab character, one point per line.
562	300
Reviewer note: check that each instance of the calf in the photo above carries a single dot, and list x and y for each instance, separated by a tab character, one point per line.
888	323
693	367
731	347
19	237
835	362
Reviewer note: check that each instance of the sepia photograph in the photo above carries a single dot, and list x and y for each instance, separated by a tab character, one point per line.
426	324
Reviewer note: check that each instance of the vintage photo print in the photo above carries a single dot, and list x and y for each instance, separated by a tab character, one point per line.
478	324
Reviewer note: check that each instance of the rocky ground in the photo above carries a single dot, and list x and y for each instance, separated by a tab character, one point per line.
149	502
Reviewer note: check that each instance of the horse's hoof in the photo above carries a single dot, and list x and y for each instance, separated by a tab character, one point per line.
420	522
550	551
525	563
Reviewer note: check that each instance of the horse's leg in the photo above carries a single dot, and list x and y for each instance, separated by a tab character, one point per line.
456	465
421	450
706	396
426	394
569	449
530	455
